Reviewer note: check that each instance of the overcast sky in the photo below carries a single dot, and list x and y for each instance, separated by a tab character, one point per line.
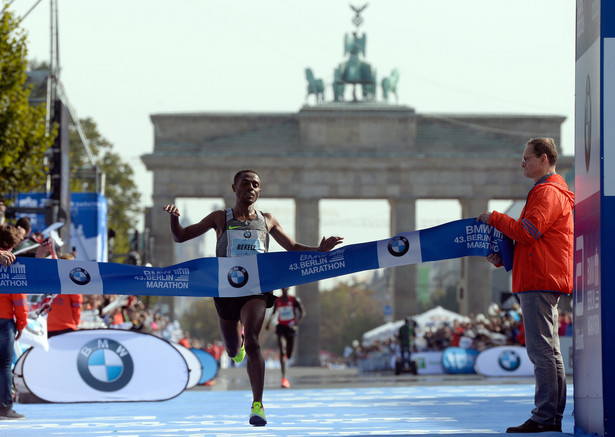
123	60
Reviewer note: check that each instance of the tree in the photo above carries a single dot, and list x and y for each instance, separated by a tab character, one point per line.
347	311
23	135
121	191
201	320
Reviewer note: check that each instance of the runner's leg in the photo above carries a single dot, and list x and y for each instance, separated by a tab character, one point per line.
231	335
282	358
252	317
290	343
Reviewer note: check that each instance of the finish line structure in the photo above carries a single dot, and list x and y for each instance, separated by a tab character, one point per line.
254	274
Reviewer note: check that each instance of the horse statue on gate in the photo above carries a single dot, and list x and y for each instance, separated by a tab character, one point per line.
315	86
389	85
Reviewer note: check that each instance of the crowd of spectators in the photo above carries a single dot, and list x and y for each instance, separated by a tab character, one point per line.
480	332
131	313
128	313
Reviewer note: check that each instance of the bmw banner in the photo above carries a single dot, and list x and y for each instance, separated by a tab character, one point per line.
88	221
194	364
504	361
105	365
254	274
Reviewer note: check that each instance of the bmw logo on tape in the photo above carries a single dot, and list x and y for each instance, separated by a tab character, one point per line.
79	276
237	276
398	246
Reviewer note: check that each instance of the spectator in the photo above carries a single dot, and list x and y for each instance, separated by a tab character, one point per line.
65	312
542	272
13	320
185	340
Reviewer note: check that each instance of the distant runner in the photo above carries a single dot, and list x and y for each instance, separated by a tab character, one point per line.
290	312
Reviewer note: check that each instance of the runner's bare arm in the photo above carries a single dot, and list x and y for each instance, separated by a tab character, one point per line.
284	240
215	220
301	309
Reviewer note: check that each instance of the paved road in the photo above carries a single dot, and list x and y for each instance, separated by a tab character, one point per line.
320	402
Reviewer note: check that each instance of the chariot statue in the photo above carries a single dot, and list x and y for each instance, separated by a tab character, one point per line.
354	71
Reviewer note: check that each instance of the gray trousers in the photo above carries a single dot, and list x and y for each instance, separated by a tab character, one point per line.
541	322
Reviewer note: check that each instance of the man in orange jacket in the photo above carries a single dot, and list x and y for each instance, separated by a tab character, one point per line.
65	314
542	272
13	319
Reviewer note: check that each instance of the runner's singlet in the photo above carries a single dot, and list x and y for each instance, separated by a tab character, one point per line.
286	311
241	238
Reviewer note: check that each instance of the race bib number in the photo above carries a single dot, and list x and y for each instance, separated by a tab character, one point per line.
246	242
286	314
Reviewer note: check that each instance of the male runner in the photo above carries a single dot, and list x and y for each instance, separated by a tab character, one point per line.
242	230
290	312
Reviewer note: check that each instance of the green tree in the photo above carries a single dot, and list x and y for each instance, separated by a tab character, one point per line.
23	136
201	320
121	191
347	311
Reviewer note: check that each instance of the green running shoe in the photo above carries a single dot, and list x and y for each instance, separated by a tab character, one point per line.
257	415
241	355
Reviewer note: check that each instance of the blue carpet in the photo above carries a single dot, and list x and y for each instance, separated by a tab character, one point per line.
392	411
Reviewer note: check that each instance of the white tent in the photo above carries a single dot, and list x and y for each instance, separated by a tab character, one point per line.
432	317
382	332
438	315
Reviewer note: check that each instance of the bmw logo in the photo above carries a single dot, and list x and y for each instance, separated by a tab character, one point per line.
105	365
237	277
247	234
398	246
79	276
509	360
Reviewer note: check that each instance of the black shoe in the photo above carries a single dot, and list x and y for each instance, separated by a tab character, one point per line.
10	414
531	426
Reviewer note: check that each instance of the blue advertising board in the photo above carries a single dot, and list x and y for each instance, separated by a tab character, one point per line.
594	385
88	232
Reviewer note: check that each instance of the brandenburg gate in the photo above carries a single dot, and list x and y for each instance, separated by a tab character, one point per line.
338	150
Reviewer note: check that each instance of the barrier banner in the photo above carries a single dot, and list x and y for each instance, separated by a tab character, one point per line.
35	333
428	362
208	364
254	274
195	368
88	222
504	361
457	360
105	365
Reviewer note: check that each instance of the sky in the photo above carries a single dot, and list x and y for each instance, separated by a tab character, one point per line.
123	60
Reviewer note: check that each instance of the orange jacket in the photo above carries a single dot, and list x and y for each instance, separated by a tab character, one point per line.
65	312
15	307
544	238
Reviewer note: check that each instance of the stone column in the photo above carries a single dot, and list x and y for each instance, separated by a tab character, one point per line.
475	270
163	250
403	278
308	337
230	200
